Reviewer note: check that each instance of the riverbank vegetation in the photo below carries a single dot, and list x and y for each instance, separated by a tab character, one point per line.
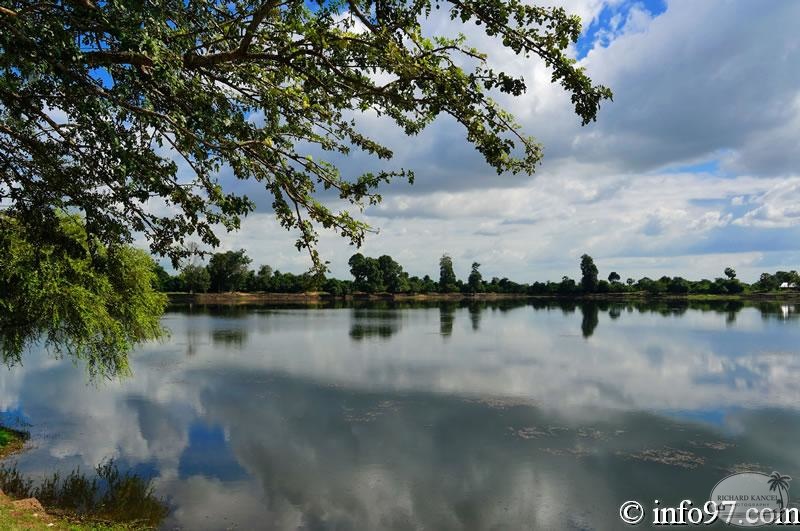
108	499
230	272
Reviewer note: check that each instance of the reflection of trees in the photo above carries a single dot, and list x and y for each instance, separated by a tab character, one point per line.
192	335
475	309
567	306
229	337
590	311
779	311
380	320
447	315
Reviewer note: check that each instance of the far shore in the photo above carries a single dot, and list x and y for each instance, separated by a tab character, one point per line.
319	297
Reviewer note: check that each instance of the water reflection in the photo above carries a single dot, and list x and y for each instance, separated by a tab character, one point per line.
381	321
590	312
229	337
475	310
447	316
365	418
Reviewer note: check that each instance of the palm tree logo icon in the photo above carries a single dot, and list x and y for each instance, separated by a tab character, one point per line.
780	484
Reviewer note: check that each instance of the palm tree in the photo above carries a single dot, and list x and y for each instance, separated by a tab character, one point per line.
780	484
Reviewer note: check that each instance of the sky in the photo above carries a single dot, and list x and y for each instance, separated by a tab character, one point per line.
694	166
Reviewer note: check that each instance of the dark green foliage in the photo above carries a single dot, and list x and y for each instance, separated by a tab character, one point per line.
567	286
109	496
475	280
378	275
447	277
162	280
652	287
678	286
195	278
588	274
367	274
228	270
422	285
767	282
394	278
263	278
136	81
384	274
337	288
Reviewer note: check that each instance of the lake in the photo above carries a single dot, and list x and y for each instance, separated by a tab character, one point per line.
507	415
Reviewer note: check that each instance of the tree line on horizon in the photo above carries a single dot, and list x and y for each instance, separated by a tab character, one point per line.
230	271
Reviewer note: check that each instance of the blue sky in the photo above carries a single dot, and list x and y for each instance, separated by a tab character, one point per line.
612	17
692	168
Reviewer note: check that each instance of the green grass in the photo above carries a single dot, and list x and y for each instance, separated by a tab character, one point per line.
15	519
11	441
5	437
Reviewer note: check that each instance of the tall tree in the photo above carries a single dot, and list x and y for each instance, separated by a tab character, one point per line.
102	102
367	273
196	278
447	277
228	270
588	274
613	277
263	278
475	280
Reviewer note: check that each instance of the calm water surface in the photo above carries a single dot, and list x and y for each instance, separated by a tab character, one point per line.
448	416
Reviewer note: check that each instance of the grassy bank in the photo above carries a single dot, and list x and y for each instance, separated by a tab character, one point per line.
11	441
109	500
27	515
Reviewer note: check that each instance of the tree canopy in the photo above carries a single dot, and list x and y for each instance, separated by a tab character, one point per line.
475	280
101	103
227	271
589	273
447	277
93	307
